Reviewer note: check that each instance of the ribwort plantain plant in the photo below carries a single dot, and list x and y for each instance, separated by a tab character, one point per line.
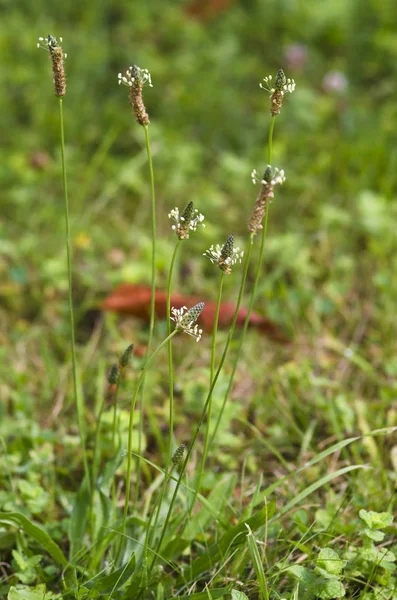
57	56
136	79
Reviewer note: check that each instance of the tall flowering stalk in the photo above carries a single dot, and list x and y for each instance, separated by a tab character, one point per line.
260	215
57	56
184	222
225	257
136	79
185	322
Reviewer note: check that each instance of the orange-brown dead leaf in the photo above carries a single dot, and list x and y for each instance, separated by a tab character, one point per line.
134	300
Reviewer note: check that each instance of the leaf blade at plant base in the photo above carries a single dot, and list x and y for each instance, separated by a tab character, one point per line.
16	519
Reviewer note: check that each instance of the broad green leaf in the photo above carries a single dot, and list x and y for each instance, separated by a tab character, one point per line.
373	534
302	574
237	595
376	520
29	593
331	588
330	561
215	593
33	530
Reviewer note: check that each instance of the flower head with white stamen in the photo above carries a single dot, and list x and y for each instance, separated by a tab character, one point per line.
51	44
272	175
135	74
225	256
136	79
271	178
186	320
277	90
187	221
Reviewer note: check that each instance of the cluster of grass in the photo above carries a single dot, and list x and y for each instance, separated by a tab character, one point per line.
297	495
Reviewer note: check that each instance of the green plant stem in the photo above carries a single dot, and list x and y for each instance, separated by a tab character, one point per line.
171	391
270	140
80	417
204	411
152	306
130	428
116	394
253	293
209	412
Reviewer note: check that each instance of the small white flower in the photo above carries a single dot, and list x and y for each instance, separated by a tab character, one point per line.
189	220
133	74
49	43
270	86
277	176
225	256
186	321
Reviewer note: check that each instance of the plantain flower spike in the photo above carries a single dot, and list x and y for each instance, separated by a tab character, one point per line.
179	455
113	376
125	357
187	221
271	178
136	79
225	256
186	321
57	58
277	90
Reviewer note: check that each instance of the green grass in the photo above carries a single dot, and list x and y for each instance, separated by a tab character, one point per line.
306	446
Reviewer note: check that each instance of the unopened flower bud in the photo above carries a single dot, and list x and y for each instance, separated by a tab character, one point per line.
114	373
179	455
125	357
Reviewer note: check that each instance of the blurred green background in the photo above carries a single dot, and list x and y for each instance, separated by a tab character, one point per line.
331	249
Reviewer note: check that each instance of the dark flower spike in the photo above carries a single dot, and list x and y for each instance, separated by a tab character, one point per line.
125	357
225	256
187	221
57	57
114	374
179	455
136	79
271	178
277	90
186	321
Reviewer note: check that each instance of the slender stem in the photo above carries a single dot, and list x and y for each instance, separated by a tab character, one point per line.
170	365
171	393
116	395
70	297
270	140
253	293
209	412
204	411
152	305
130	428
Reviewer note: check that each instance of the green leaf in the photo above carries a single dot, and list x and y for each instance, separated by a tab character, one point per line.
28	593
115	580
78	521
237	595
258	566
331	588
317	484
33	530
330	561
373	534
215	593
376	520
